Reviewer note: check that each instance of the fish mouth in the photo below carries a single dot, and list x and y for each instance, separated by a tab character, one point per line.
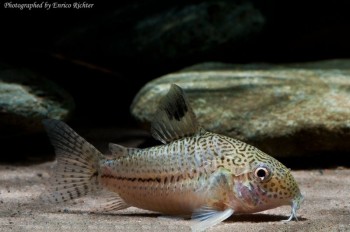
295	206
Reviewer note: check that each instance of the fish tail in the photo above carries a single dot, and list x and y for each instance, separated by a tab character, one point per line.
77	171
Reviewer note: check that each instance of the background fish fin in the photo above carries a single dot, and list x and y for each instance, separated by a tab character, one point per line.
206	217
118	151
174	118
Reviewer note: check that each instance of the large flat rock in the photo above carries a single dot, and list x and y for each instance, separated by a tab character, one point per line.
26	98
285	110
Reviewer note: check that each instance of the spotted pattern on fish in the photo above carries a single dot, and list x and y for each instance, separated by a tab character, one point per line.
195	173
162	171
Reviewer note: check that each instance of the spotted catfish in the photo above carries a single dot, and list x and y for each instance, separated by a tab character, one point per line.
196	173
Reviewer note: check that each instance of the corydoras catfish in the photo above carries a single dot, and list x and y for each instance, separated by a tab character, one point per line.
195	173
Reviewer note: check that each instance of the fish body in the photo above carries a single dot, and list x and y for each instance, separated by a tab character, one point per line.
195	173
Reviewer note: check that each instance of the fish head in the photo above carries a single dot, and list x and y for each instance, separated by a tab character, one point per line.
268	184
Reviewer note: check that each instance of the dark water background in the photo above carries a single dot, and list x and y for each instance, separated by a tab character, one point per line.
95	56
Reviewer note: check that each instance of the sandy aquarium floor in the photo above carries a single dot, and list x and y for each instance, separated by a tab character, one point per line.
326	207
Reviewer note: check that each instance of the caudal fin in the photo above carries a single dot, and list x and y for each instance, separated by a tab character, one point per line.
77	170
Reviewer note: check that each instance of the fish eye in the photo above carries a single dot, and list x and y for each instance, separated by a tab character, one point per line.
262	173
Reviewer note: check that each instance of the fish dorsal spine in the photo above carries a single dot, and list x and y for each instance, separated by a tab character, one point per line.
174	118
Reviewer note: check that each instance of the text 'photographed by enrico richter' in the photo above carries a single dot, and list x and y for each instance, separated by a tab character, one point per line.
48	5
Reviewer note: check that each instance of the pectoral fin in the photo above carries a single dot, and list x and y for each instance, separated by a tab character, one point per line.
217	209
219	186
206	217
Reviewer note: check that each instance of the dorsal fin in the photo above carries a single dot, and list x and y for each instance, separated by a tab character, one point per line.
174	118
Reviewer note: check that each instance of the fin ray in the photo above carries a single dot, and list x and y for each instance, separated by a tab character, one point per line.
174	118
214	211
109	201
77	170
206	217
